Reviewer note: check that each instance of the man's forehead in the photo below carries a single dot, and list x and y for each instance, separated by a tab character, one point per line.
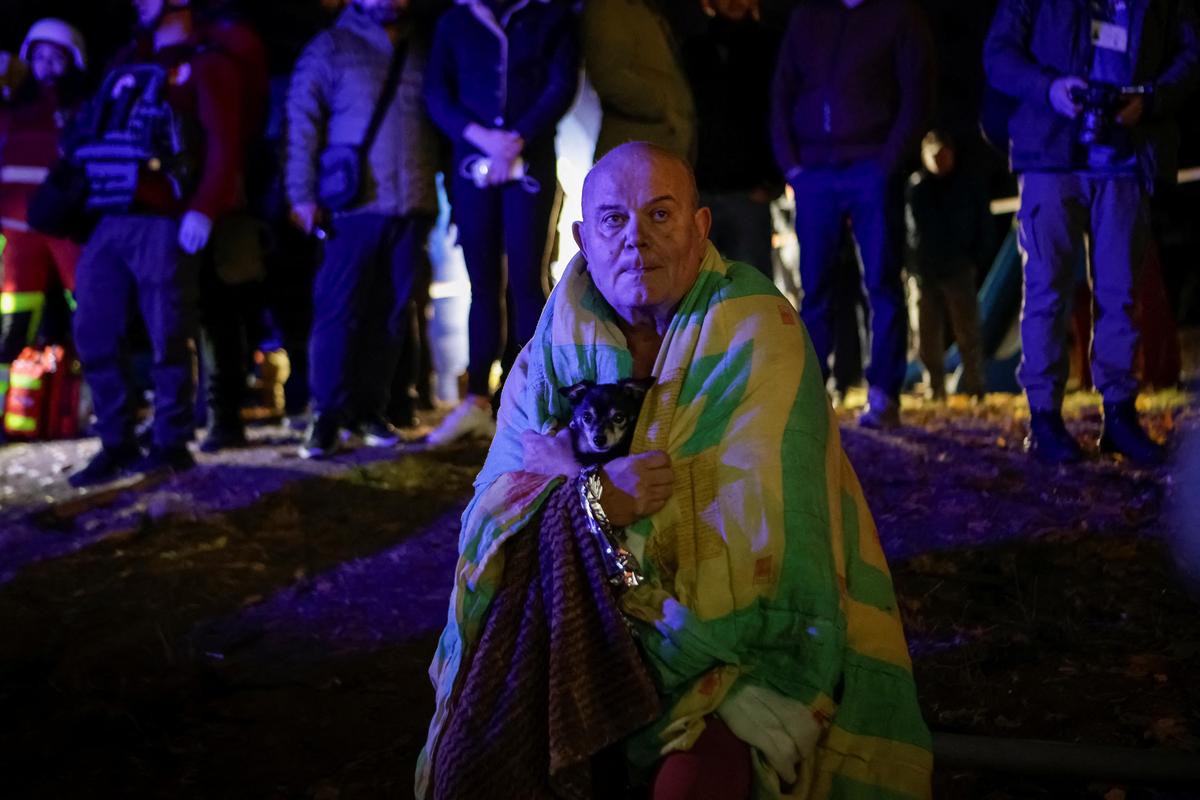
634	181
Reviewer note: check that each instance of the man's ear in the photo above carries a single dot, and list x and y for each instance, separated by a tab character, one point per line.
577	233
703	221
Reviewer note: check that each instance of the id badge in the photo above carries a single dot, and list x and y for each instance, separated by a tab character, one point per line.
1109	36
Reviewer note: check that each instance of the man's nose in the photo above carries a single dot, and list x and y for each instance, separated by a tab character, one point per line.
635	232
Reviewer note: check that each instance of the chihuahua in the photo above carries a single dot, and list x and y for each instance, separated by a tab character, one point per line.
603	416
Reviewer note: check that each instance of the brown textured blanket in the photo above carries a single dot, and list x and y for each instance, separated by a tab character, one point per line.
556	677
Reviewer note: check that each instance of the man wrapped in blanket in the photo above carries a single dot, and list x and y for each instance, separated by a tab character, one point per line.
765	617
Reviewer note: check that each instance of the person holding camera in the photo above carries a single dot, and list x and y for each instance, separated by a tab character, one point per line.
501	75
1098	84
361	160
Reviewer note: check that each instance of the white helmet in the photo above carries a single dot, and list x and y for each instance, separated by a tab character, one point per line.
57	32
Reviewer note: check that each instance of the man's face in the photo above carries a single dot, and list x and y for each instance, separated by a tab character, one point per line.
384	12
148	11
641	234
937	157
736	10
48	61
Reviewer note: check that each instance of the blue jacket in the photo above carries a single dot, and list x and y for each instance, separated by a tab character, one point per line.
518	72
1033	42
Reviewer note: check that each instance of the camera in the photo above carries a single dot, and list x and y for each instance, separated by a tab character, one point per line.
1100	103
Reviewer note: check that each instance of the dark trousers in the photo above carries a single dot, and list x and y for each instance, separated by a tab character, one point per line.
825	196
492	222
360	298
133	258
292	261
951	296
741	228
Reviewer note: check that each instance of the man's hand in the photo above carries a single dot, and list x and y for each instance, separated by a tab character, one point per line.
305	216
194	230
636	486
495	143
1060	96
499	170
549	455
1133	107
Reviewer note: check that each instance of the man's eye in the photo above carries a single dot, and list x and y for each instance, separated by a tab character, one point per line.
612	219
659	214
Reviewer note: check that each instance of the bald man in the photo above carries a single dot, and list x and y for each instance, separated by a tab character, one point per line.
733	542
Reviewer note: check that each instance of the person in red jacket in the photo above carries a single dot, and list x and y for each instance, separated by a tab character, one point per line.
161	145
30	132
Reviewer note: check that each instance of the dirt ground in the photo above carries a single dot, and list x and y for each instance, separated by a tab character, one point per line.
260	627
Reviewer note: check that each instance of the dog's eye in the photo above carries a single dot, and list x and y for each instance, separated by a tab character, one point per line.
619	419
589	417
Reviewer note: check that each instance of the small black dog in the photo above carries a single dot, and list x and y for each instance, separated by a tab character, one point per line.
603	416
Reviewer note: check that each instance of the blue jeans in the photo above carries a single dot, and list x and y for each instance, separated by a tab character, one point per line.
825	196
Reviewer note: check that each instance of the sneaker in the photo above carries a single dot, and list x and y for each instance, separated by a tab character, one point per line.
1123	434
378	432
322	439
1049	441
107	465
297	422
223	437
468	420
882	412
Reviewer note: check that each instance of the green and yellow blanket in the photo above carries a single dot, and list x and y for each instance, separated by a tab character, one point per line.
768	600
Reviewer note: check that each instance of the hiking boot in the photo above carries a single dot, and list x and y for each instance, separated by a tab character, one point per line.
468	420
882	412
166	458
223	437
107	465
1122	434
322	439
1049	441
378	432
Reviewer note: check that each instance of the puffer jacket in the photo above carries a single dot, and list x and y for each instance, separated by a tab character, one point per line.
1033	42
333	92
631	60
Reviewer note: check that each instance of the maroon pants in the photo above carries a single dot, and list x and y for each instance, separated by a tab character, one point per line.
716	768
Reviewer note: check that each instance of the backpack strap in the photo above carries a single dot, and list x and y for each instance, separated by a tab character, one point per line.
390	85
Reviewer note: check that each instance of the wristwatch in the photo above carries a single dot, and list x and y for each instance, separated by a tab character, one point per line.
620	565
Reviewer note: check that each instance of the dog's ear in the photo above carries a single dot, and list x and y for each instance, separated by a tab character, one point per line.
575	393
637	386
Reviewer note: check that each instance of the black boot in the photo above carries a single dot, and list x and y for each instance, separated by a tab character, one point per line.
161	459
1049	440
1122	434
107	465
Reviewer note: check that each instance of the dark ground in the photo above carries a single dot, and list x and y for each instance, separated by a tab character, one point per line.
261	626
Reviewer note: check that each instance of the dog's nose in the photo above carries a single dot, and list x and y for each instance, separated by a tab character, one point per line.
598	440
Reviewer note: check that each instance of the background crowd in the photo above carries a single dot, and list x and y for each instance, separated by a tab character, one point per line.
233	174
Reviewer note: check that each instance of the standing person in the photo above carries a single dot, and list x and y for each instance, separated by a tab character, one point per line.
633	62
234	263
157	200
1088	156
729	64
371	254
501	75
852	95
950	235
31	128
